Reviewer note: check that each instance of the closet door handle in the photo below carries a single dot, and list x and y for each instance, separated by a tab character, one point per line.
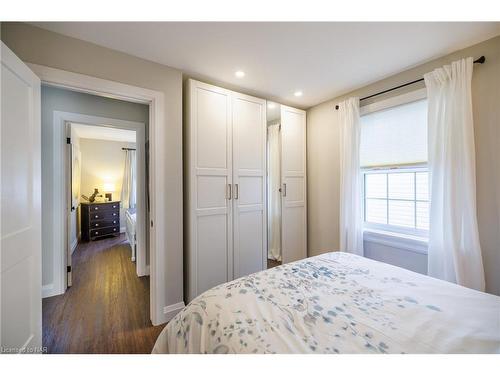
229	190
284	190
236	191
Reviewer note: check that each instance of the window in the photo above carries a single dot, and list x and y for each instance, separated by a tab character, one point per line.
398	199
393	158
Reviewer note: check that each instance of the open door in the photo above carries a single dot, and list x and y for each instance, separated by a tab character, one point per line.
73	171
20	226
293	189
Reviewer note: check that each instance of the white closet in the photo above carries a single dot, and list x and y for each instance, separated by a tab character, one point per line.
293	190
226	230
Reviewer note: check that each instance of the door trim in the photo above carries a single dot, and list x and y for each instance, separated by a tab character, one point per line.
155	99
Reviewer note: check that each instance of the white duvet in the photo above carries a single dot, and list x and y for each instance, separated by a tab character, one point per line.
336	303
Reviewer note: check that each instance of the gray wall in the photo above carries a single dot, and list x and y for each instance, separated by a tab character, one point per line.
323	163
35	45
55	99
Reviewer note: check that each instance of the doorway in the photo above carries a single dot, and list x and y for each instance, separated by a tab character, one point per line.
164	305
107	176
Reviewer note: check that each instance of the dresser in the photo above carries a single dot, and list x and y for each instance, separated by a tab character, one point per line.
100	220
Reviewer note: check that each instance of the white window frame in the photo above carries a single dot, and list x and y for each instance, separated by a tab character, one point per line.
422	233
390	235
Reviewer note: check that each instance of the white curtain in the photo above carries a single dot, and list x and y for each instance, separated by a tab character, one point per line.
351	211
128	195
454	252
273	191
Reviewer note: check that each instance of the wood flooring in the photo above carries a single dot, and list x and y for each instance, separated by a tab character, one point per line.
107	308
273	263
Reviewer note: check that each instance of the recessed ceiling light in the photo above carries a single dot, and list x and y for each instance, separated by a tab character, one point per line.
239	73
297	93
271	105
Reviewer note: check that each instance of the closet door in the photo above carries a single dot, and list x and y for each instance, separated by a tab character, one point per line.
249	185
209	138
293	189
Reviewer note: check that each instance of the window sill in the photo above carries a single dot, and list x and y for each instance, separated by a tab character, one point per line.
396	240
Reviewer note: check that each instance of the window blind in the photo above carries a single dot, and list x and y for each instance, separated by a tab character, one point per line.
394	136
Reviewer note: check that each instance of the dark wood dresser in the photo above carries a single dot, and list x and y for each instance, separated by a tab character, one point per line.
100	220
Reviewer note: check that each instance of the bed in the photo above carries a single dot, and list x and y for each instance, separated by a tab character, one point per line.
336	303
130	216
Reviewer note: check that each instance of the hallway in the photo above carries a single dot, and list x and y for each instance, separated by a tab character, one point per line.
107	308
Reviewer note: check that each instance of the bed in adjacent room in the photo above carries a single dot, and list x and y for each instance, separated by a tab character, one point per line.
336	303
130	216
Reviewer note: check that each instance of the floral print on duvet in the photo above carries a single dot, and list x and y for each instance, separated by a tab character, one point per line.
334	303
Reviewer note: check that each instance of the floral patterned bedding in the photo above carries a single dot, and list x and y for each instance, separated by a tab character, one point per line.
336	303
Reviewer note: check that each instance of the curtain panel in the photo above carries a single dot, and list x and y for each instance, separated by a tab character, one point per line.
351	211
454	251
128	194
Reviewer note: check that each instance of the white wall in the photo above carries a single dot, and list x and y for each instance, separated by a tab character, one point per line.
54	99
323	163
103	161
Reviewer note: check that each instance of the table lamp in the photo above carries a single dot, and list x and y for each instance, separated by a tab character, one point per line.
109	188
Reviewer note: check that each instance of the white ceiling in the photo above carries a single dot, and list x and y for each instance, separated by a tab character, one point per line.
323	60
103	133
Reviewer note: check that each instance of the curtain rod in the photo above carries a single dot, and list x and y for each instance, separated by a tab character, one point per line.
480	60
128	149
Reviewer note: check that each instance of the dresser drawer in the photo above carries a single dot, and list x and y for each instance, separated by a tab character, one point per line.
104	231
97	224
104	215
99	219
104	207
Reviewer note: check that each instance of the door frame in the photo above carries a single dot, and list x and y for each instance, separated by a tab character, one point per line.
155	99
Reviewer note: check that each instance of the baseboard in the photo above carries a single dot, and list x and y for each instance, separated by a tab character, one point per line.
172	310
49	291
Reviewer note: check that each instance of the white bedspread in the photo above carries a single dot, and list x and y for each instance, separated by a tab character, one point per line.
336	303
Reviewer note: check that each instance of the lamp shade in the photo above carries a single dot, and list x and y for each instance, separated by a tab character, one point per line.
109	187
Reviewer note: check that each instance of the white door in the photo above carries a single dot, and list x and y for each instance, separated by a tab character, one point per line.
20	227
249	185
293	189
209	137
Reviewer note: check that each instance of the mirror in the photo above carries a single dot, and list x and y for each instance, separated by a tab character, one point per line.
273	184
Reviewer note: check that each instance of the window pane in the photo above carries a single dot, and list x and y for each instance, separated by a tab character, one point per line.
376	185
376	211
401	186
402	213
423	215
422	183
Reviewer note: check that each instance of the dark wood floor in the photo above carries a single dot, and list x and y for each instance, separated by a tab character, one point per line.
107	308
273	263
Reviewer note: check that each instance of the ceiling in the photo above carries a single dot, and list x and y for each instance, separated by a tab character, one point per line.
103	133
323	60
